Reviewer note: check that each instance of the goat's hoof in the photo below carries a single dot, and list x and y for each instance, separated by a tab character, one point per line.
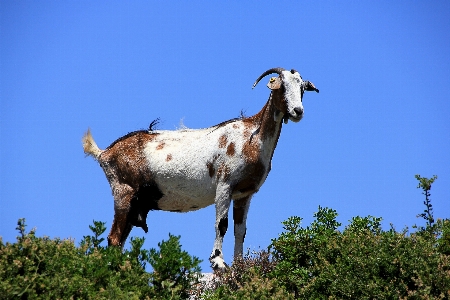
218	264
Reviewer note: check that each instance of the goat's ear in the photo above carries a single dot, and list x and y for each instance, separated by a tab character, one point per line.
310	87
274	83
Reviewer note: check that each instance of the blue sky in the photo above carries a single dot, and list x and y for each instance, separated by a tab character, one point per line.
382	115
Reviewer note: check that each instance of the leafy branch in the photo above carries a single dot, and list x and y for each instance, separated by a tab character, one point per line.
425	185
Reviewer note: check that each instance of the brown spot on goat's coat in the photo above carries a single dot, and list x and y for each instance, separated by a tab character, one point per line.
169	157
160	146
230	149
251	151
225	171
210	165
223	141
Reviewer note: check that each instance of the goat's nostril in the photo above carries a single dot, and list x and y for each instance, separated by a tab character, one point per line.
298	111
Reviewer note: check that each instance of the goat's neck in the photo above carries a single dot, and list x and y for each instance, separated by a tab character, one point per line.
268	126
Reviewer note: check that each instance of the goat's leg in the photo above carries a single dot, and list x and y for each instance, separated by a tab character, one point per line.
240	211
222	203
121	226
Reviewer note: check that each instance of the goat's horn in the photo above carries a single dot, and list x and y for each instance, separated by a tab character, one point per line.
270	71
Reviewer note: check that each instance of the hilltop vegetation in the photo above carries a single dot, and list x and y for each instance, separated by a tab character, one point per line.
362	261
43	268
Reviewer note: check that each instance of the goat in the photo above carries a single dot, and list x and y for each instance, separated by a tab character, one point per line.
186	170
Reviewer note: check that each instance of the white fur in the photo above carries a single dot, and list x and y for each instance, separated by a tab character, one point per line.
292	84
184	179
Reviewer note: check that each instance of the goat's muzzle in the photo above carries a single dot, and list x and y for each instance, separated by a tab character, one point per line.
295	116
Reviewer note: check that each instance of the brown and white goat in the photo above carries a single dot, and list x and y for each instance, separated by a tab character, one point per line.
185	170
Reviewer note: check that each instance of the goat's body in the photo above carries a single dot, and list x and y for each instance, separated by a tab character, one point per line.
187	165
186	170
191	164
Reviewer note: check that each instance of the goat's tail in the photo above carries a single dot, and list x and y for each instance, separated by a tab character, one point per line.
90	146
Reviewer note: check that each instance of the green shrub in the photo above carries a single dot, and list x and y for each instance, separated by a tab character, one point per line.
174	270
361	262
444	238
34	268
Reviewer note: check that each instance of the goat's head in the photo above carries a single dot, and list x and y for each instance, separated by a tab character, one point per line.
291	87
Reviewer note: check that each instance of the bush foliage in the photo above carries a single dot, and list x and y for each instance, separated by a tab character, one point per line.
35	268
360	261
